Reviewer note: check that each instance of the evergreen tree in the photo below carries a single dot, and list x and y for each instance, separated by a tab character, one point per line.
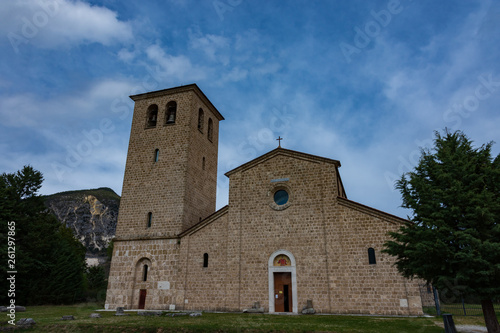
453	239
97	283
50	262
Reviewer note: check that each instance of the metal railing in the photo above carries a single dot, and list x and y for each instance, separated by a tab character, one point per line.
435	303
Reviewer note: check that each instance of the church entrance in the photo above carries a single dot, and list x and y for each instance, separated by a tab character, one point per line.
282	292
142	298
282	282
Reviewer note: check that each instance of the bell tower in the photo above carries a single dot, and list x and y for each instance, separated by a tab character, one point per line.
170	177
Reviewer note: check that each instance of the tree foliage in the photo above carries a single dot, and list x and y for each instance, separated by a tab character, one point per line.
50	262
453	240
97	283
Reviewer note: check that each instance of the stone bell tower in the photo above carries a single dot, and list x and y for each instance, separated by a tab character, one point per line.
170	178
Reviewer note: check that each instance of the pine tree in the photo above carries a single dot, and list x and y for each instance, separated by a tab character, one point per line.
453	239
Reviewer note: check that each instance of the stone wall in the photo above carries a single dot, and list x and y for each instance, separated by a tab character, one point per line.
178	189
359	287
205	287
325	236
175	189
329	240
265	229
126	279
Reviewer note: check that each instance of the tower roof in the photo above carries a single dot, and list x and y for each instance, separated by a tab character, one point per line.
174	90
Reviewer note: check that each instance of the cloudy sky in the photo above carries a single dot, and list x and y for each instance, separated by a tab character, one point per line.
366	83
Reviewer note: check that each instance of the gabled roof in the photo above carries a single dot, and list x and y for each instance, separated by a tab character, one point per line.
284	152
371	211
206	221
179	89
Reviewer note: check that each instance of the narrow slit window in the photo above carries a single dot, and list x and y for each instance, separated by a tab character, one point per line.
157	155
205	260
371	256
200	120
210	131
203	163
145	273
150	219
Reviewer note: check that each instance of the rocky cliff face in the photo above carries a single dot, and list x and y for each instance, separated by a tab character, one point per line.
91	214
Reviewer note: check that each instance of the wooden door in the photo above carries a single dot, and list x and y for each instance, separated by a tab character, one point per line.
282	292
142	298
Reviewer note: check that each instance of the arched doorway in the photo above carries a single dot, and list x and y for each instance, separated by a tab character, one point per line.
282	282
142	282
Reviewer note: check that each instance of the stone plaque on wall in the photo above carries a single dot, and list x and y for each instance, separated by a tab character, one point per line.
163	285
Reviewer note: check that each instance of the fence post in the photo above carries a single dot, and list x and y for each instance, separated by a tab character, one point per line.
449	324
436	301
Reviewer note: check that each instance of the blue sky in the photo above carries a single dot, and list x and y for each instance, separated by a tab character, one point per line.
366	83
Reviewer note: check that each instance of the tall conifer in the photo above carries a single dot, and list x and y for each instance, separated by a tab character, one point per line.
453	239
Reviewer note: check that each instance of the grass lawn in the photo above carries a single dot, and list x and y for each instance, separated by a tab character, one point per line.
48	319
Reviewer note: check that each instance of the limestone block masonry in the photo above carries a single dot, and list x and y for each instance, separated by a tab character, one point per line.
288	234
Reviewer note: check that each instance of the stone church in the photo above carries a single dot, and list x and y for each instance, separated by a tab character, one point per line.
288	235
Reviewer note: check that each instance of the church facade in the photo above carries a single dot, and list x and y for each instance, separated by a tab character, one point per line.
288	235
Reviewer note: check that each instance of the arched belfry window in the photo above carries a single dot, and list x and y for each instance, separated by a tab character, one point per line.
152	115
210	131
150	219
157	155
145	273
205	260
200	119
371	256
171	112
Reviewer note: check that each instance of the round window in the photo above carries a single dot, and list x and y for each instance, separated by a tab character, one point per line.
281	197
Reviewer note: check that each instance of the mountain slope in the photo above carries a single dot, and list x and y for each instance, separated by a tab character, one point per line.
91	214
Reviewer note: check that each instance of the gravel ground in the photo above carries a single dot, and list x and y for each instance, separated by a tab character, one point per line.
471	328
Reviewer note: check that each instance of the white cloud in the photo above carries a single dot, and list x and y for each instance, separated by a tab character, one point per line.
126	55
236	74
77	140
214	47
265	68
108	88
28	110
173	68
52	23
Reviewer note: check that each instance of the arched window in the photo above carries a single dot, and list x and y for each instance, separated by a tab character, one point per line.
371	256
210	131
152	115
200	119
157	155
145	273
150	219
171	112
205	260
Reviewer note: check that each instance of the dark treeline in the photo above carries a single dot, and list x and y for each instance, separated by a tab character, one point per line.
49	262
